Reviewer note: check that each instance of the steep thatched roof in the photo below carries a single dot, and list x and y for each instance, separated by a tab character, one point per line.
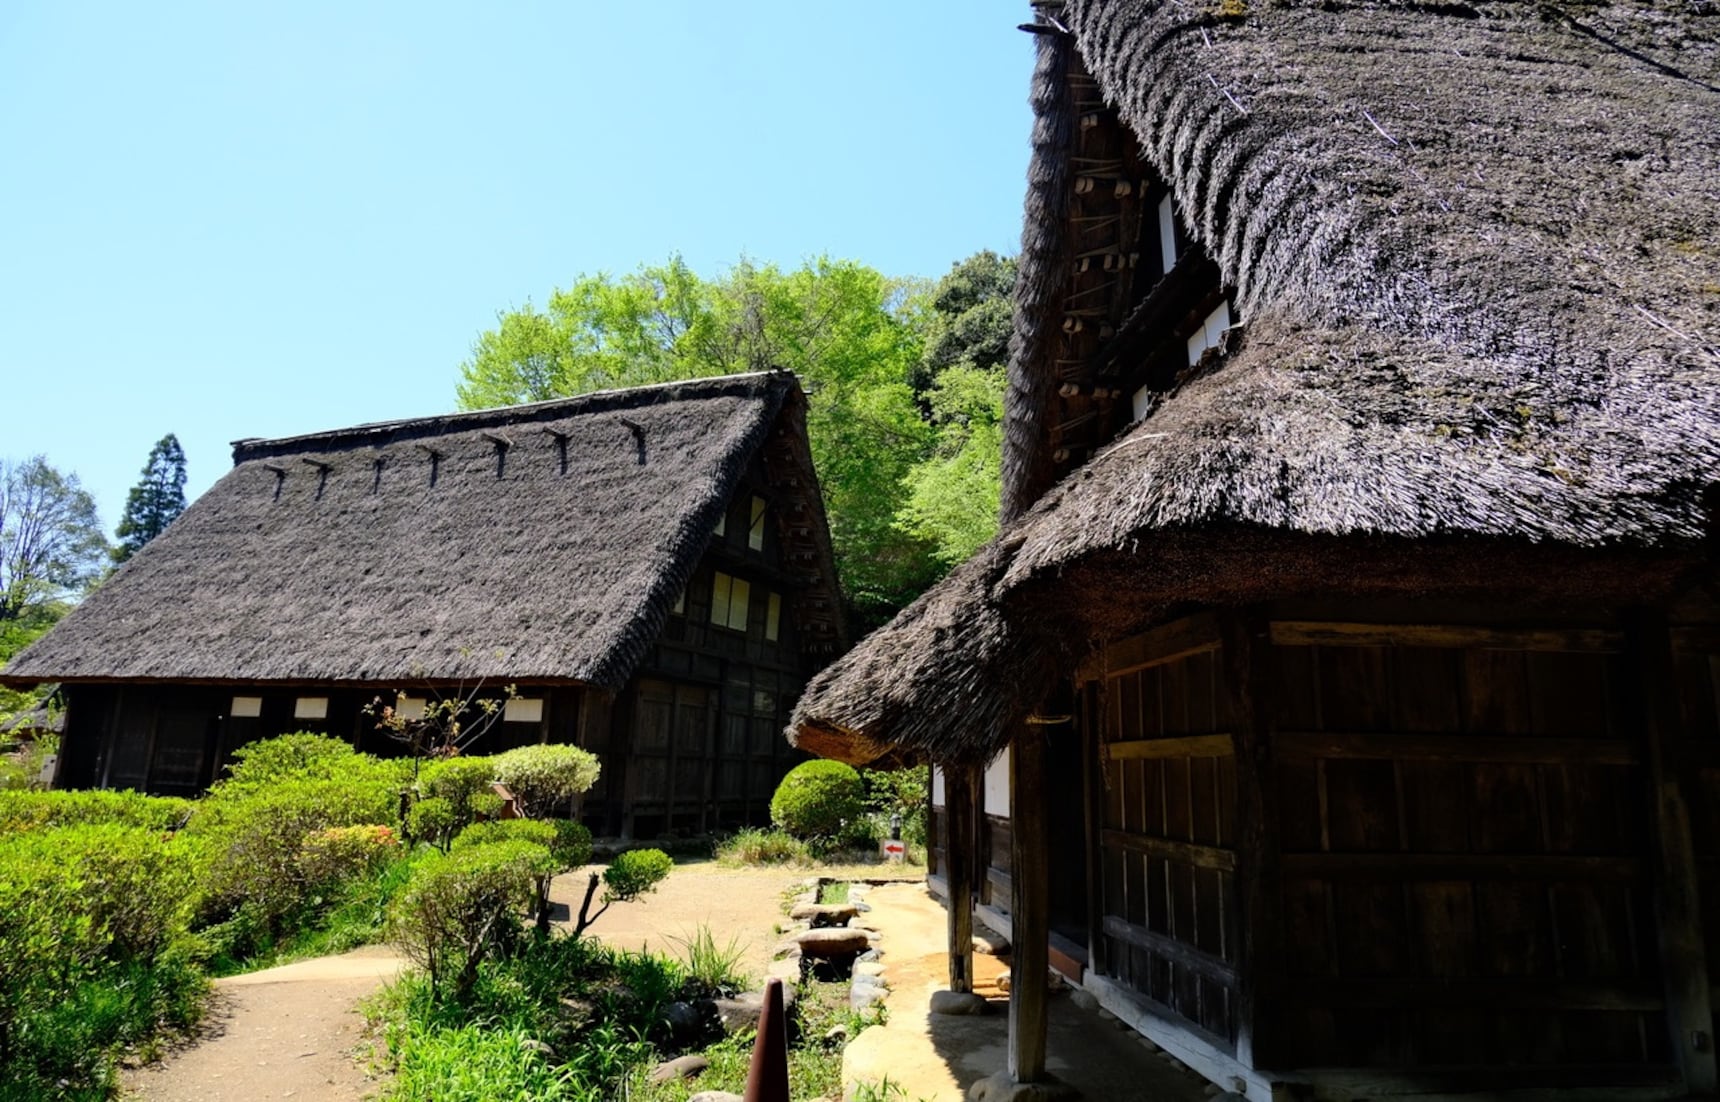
1475	250
544	542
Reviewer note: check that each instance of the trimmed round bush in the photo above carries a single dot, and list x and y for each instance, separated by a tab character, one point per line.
635	872
818	800
545	776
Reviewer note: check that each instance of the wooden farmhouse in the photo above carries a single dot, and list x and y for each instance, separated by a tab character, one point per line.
650	569
1339	702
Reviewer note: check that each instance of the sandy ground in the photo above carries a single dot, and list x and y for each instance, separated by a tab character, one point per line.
935	1058
286	1032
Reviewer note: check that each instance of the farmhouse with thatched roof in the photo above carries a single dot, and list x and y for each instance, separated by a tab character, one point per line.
649	568
1348	661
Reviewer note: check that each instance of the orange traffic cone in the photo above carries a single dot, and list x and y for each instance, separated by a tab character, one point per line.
767	1078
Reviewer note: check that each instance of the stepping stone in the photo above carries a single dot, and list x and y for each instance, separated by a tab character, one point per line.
741	1013
681	1067
838	941
824	914
868	968
716	1096
957	1002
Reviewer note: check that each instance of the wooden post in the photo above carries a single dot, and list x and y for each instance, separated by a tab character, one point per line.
1245	664
959	872
1030	918
1683	952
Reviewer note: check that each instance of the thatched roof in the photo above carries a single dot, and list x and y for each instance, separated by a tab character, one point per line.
1475	249
542	543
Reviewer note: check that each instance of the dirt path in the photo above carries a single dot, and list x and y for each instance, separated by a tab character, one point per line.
285	1032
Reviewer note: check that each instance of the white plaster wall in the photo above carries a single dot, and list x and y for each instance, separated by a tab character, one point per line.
937	787
997	786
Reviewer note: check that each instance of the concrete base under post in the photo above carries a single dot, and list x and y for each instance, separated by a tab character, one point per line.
1002	1087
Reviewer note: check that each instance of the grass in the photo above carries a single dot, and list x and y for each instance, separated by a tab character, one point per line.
713	966
833	891
754	846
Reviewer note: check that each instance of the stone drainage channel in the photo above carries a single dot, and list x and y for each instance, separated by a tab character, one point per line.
822	942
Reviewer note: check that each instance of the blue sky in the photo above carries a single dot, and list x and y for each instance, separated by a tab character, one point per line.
236	219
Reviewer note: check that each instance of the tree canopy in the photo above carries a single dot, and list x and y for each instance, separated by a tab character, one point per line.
51	543
873	353
158	497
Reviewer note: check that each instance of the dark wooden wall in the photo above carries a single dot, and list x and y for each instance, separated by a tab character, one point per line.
1167	807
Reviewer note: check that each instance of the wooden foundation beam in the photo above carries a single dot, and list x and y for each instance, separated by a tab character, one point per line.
959	848
1030	907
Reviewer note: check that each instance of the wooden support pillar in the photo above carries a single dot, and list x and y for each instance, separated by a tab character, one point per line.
1677	905
959	850
1246	658
1030	907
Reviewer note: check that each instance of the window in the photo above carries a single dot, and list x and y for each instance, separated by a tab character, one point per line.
773	616
522	710
680	608
1209	334
723	523
410	709
246	707
729	601
310	707
755	531
1168	233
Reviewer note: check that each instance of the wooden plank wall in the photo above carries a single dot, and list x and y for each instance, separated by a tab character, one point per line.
1695	757
1168	831
1464	867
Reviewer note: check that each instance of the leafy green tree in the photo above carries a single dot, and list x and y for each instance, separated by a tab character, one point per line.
158	497
51	544
841	326
952	494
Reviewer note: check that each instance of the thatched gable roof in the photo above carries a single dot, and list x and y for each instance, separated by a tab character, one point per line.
1475	248
543	543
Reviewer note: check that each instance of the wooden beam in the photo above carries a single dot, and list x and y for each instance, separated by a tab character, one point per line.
1458	866
1170	849
959	796
1245	684
1677	888
1185	746
1030	917
1517	750
1302	633
1165	947
1165	643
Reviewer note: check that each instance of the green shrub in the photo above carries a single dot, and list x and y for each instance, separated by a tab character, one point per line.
903	792
336	855
546	776
463	907
306	756
634	873
486	805
818	800
753	846
432	820
572	845
41	810
534	831
458	780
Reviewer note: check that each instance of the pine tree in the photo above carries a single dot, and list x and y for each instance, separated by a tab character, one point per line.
158	497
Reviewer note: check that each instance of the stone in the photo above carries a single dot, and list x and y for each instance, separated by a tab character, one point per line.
1001	1088
685	1019
716	1096
1086	1000
859	905
681	1067
840	941
990	942
957	1002
542	1049
740	1014
786	949
863	994
868	968
870	955
823	914
1003	980
786	970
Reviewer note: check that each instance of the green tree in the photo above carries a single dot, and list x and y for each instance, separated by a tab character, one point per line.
842	327
51	544
158	497
952	495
